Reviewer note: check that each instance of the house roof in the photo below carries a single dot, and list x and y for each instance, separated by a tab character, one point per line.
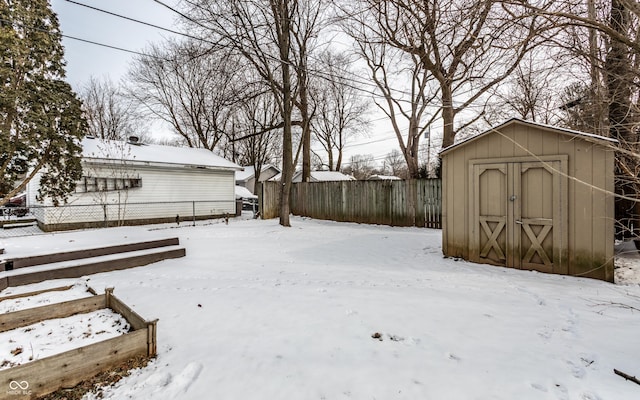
109	151
246	174
384	178
244	193
249	172
512	121
327	176
319	176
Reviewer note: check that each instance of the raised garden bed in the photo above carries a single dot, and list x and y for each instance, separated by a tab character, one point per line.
12	302
67	369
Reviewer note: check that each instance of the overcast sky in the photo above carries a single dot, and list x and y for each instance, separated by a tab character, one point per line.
84	59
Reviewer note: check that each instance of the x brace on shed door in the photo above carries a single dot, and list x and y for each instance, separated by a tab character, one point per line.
518	212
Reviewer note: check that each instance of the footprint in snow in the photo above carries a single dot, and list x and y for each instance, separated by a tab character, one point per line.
183	381
589	396
158	379
576	370
540	387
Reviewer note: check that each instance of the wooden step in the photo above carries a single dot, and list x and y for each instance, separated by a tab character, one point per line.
14	263
87	266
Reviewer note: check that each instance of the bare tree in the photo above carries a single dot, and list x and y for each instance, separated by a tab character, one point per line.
529	93
254	120
465	47
394	164
389	68
606	36
189	86
305	28
269	35
341	108
109	114
361	166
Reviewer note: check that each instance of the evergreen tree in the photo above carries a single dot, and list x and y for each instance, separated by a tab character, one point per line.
41	121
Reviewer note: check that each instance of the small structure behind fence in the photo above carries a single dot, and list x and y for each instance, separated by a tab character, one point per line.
396	203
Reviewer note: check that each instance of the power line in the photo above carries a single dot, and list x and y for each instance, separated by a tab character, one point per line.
80	39
141	22
108	46
353	77
130	19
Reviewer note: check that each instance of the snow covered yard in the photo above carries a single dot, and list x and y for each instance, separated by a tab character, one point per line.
258	311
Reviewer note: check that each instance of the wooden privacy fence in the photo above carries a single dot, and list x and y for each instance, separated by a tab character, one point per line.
396	203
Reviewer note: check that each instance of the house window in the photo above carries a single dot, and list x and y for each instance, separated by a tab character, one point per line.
93	184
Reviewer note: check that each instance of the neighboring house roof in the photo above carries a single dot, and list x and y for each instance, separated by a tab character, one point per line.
244	193
325	176
109	151
249	172
384	178
319	176
512	121
246	174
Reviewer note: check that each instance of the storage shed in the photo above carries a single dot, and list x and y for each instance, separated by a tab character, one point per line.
531	196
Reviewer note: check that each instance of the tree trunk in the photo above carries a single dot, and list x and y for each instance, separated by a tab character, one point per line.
448	115
618	70
306	124
411	151
287	139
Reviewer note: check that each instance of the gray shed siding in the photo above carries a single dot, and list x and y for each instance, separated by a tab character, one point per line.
588	250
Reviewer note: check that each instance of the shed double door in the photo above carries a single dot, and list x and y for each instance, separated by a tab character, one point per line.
519	213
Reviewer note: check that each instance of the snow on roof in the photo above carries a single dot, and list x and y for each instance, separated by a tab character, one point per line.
100	149
385	178
244	193
572	132
325	176
318	176
248	172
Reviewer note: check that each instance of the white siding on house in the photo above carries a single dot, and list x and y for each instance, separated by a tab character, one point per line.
176	188
138	183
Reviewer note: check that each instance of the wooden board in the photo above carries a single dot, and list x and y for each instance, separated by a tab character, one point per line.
65	309
94	268
88	253
37	292
67	369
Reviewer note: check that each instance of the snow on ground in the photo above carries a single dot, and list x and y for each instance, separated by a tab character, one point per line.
55	336
77	291
627	271
326	310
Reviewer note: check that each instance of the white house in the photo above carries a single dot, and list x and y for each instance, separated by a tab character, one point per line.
247	178
126	183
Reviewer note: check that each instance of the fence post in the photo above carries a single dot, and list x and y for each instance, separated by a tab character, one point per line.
193	208
106	219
